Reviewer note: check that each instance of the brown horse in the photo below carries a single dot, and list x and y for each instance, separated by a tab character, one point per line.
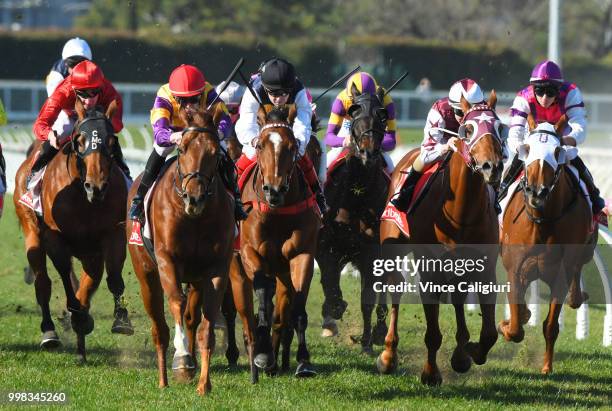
356	195
278	242
192	227
457	210
83	200
547	234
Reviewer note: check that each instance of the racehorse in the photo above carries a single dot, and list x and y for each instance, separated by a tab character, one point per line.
83	201
547	233
458	209
277	247
192	227
356	195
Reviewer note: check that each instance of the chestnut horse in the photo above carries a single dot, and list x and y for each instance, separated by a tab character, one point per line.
278	243
356	195
83	199
458	209
547	233
192	227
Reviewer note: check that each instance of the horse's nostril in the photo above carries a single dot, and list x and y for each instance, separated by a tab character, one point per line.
266	188
185	196
486	166
87	185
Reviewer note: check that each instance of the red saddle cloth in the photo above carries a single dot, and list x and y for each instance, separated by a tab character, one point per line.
399	217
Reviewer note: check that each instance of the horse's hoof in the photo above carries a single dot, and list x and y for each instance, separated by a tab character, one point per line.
122	323
330	328
81	359
272	371
338	309
232	356
50	340
82	322
183	368
264	361
473	350
367	350
254	375
28	275
386	368
204	389
433	379
305	370
379	333
546	370
460	361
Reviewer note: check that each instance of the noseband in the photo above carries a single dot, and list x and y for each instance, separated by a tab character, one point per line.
181	180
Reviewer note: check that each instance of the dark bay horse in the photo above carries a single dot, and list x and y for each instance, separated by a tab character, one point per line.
356	196
547	234
192	227
83	200
458	209
278	243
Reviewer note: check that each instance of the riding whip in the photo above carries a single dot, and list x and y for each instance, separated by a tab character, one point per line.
399	80
340	80
227	81
248	84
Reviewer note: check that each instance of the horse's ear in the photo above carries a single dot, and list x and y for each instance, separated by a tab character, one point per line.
465	105
531	122
560	125
380	94
217	112
560	155
261	116
79	108
523	152
185	116
110	111
492	102
354	91
292	114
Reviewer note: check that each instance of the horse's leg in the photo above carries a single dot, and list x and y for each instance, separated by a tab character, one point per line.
193	317
264	290
550	328
281	325
301	267
93	267
461	361
512	329
213	292
242	291
114	259
153	300
387	360
333	306
488	332
183	366
228	308
433	340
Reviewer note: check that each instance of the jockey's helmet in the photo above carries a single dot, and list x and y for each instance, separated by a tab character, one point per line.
186	81
546	72
232	94
278	75
363	82
467	88
76	47
86	75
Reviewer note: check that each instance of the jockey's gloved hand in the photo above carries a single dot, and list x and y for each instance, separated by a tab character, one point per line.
176	137
52	137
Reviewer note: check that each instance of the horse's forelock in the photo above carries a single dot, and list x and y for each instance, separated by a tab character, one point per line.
278	114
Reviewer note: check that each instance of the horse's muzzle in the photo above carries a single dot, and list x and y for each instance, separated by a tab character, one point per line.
95	192
536	197
492	172
275	196
194	206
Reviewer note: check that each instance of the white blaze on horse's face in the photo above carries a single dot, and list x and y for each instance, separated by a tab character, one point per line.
545	147
276	139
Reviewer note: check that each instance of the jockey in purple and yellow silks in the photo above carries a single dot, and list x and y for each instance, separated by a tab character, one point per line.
187	89
338	134
547	98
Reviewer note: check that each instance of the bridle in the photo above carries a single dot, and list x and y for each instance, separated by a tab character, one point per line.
181	180
465	151
94	144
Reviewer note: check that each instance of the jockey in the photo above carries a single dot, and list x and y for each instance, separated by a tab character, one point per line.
547	98
446	114
188	89
88	84
75	50
276	85
338	134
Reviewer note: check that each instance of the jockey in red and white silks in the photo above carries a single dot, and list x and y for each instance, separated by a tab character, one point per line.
445	114
547	98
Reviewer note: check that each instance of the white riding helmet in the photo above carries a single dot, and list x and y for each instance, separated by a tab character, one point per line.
76	47
232	94
467	88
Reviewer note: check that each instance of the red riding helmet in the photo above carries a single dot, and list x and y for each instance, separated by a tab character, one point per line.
186	81
86	75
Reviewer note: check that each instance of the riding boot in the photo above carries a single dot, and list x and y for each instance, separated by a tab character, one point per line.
154	165
310	175
402	201
118	157
598	203
511	174
226	169
46	153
